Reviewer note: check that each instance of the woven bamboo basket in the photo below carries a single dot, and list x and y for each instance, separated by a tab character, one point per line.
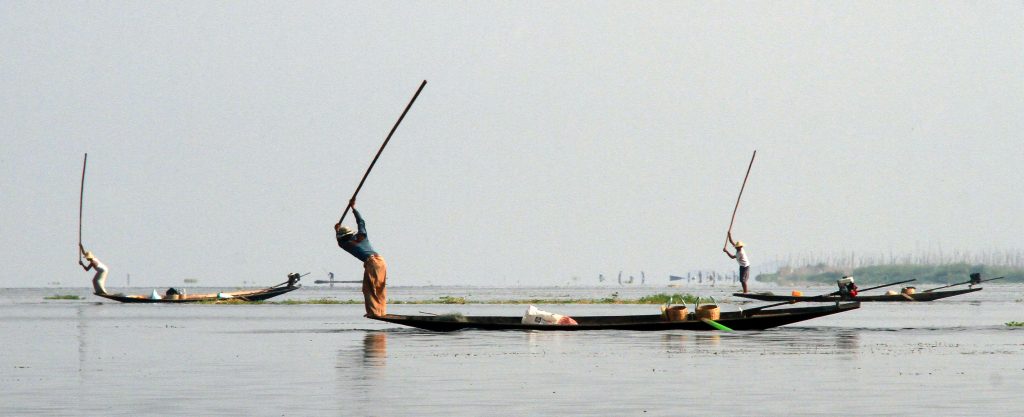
708	311
676	313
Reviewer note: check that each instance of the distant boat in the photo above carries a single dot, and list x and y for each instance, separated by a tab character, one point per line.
250	295
899	297
330	280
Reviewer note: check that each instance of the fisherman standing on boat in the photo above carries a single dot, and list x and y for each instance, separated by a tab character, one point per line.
741	258
375	270
101	271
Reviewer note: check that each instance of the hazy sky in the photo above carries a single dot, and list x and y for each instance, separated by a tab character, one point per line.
553	139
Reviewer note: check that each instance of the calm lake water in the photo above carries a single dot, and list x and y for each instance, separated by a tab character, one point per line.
96	357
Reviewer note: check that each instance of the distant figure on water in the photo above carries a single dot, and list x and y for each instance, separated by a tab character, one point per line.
100	279
375	270
741	258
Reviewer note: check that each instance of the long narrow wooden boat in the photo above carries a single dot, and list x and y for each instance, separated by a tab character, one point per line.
920	296
249	295
736	320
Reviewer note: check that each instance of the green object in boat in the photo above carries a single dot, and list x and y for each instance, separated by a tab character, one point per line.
716	325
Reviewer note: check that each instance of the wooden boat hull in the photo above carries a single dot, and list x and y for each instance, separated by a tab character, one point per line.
252	295
921	296
736	320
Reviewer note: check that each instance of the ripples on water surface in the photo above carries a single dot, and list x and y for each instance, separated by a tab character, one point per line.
92	357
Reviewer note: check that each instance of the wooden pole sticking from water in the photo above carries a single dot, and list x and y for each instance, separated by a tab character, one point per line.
407	107
734	209
81	199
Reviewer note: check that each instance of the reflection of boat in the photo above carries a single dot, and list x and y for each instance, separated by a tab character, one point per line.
249	295
736	320
918	296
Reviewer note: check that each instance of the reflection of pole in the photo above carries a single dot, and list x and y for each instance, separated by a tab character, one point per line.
81	344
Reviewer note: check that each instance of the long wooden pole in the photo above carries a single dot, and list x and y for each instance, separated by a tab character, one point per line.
734	209
81	199
407	107
961	283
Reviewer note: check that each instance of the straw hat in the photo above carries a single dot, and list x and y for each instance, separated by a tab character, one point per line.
345	231
739	243
89	255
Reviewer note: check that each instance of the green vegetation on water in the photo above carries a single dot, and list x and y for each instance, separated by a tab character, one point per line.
611	299
315	301
1015	324
881	274
447	299
62	297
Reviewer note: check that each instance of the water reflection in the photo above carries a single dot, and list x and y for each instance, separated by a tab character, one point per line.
375	349
845	341
708	338
848	341
538	341
362	365
678	343
674	343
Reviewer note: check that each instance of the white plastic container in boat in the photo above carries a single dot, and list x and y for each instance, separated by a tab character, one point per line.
536	316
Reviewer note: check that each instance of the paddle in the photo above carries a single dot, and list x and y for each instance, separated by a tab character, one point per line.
962	283
395	127
823	296
81	199
734	209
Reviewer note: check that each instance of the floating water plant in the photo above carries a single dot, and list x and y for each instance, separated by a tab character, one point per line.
62	297
1015	324
663	298
318	301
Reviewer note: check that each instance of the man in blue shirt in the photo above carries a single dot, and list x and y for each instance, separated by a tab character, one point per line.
375	270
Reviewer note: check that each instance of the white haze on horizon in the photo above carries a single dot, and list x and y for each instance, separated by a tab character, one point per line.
553	139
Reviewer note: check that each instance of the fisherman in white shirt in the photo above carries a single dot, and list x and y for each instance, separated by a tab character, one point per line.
101	271
741	258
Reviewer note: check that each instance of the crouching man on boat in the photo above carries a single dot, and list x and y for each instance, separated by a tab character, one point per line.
741	258
375	270
100	279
